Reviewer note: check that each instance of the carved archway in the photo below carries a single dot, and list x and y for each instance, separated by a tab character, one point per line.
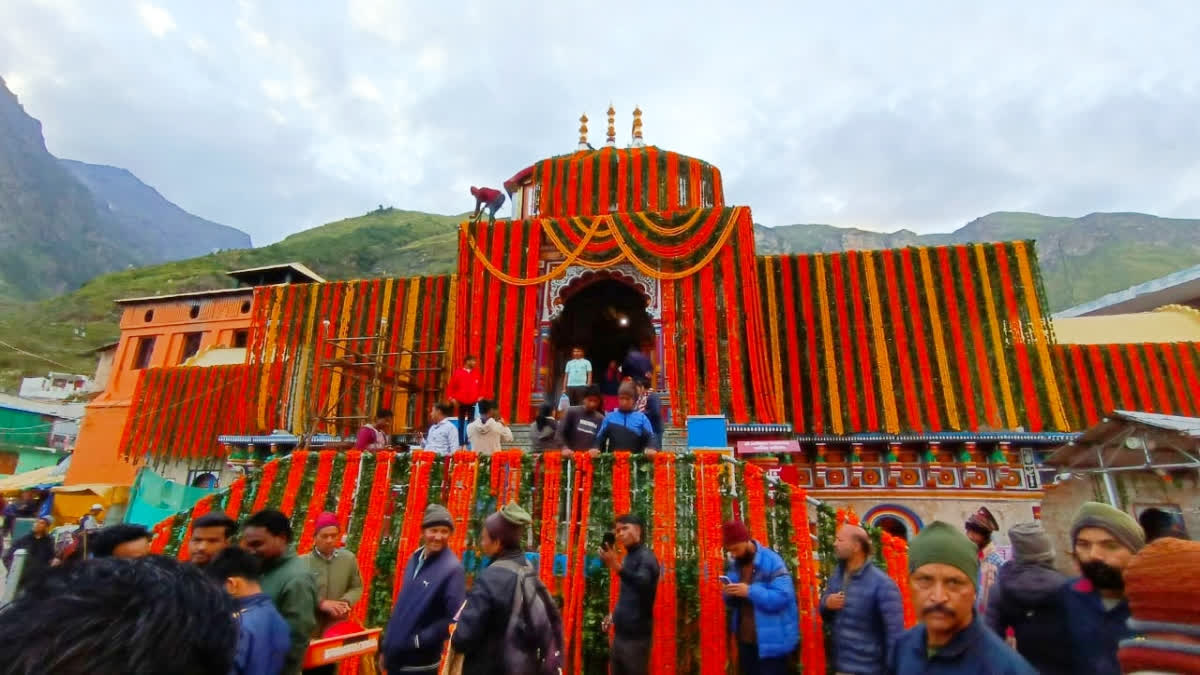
576	278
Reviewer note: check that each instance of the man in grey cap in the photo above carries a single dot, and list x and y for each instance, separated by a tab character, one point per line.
1104	541
433	591
1024	601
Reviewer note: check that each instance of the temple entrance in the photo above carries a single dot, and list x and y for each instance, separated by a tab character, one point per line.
607	318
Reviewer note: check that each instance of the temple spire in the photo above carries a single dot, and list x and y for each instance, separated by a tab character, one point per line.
611	140
637	128
583	142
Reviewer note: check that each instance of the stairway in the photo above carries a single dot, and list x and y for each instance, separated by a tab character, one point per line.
674	438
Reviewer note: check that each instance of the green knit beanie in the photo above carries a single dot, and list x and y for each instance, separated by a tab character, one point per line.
1116	522
943	543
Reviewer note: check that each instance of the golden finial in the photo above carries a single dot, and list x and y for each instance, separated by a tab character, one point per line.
583	144
637	128
612	127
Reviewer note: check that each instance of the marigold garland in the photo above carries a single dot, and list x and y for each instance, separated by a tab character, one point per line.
993	322
663	654
621	496
464	471
1041	334
891	416
573	584
548	536
263	493
295	474
713	634
373	526
420	465
812	637
756	502
237	491
939	340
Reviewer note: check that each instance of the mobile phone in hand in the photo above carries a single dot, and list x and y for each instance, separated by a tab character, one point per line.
724	580
610	540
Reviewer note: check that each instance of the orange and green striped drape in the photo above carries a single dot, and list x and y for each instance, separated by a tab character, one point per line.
179	412
911	340
625	180
409	314
1098	379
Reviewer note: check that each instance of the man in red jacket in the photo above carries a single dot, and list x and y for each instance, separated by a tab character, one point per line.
464	393
489	198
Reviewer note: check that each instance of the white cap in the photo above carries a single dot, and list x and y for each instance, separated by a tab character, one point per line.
97	507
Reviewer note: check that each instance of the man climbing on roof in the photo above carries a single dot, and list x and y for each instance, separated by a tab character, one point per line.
487	198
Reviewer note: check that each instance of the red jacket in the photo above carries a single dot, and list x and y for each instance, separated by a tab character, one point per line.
485	195
464	386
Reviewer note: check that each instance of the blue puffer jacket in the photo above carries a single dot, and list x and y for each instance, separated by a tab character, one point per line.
866	629
773	595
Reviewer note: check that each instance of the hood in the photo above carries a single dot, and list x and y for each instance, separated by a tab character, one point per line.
485	427
1027	583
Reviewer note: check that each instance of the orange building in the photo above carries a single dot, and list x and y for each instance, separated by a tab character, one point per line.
162	331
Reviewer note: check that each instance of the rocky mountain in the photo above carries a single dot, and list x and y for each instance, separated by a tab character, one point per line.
63	223
157	229
1081	258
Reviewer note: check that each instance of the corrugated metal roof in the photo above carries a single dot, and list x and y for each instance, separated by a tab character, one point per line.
1164	290
66	411
1186	425
180	296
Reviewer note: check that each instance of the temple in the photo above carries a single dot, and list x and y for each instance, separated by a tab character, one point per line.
908	384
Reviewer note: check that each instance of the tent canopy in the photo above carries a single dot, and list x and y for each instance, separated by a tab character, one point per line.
1132	441
47	476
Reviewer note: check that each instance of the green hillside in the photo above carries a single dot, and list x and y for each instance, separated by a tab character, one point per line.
1082	259
389	242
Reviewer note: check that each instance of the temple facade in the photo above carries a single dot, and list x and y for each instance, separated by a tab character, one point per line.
911	384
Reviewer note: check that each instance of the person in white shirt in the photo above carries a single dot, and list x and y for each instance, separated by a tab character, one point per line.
443	435
91	521
488	433
577	376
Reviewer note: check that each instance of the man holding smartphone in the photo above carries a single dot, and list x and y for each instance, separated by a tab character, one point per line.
632	620
760	597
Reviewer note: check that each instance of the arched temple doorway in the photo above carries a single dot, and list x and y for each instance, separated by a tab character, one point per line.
605	316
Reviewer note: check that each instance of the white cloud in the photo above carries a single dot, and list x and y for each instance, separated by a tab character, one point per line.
362	87
156	19
274	89
197	44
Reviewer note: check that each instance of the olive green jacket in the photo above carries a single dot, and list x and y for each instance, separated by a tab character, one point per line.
337	579
289	582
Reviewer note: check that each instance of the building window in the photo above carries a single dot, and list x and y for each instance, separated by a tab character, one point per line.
194	311
145	349
246	307
241	338
683	190
149	316
535	196
191	345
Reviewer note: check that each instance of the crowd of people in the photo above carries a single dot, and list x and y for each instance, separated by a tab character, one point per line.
246	602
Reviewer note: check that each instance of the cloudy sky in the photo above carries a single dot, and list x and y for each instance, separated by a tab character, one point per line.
275	117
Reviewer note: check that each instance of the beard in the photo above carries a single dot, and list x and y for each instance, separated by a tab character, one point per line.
1102	576
745	559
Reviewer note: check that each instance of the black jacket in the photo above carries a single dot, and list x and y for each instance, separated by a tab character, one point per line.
1026	599
634	614
39	555
481	630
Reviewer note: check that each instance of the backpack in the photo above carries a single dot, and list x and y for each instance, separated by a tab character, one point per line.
534	636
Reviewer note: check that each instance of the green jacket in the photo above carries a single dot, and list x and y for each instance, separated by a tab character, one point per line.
290	583
337	579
